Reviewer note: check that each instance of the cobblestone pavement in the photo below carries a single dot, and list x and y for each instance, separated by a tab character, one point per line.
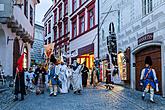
91	99
6	98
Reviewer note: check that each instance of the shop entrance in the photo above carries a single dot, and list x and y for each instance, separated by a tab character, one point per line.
155	53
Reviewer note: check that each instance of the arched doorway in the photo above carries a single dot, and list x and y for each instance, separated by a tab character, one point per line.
155	53
16	54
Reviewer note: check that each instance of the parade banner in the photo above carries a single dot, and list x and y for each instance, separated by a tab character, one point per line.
48	50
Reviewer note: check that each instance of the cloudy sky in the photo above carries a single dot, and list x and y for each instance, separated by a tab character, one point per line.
41	10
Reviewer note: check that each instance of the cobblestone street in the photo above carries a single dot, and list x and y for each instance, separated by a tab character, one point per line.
91	99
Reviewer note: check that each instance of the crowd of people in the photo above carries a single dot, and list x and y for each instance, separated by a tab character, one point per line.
55	76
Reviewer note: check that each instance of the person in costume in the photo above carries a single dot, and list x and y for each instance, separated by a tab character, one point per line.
69	77
40	79
19	85
53	76
19	79
148	79
63	77
84	71
77	78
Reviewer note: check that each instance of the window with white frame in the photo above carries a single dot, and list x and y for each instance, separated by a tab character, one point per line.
147	6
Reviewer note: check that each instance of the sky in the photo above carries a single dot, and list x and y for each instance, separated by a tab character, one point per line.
41	9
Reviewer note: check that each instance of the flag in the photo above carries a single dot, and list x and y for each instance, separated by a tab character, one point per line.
49	50
20	64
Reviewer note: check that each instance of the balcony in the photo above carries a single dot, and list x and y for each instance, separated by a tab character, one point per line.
14	17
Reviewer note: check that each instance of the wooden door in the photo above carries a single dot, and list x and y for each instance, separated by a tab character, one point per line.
155	53
16	55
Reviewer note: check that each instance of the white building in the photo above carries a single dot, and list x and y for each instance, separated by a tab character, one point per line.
140	29
16	32
84	26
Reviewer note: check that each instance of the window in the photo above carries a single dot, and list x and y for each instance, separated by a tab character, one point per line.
66	27
55	33
45	42
60	31
91	18
45	29
147	6
81	24
60	11
49	27
66	48
55	16
49	40
81	2
26	8
66	7
55	1
31	15
74	29
74	5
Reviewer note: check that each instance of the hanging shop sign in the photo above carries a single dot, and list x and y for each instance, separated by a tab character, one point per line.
145	38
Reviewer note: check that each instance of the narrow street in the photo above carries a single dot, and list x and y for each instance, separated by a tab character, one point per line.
91	99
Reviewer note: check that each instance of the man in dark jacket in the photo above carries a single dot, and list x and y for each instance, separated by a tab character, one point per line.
19	85
84	71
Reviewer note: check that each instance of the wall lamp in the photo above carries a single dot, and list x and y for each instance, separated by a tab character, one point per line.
8	39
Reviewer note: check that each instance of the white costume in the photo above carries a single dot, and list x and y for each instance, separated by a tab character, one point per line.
69	77
77	79
63	78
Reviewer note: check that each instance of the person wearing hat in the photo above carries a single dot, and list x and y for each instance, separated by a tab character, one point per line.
53	76
63	77
148	79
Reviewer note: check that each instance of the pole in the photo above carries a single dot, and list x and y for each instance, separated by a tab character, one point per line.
98	29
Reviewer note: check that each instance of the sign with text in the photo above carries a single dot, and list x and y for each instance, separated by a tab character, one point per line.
145	38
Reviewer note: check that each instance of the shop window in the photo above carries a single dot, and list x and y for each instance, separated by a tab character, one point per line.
25	61
122	66
147	6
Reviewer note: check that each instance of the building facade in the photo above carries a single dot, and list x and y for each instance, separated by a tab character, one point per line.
140	33
83	34
16	32
57	31
37	53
